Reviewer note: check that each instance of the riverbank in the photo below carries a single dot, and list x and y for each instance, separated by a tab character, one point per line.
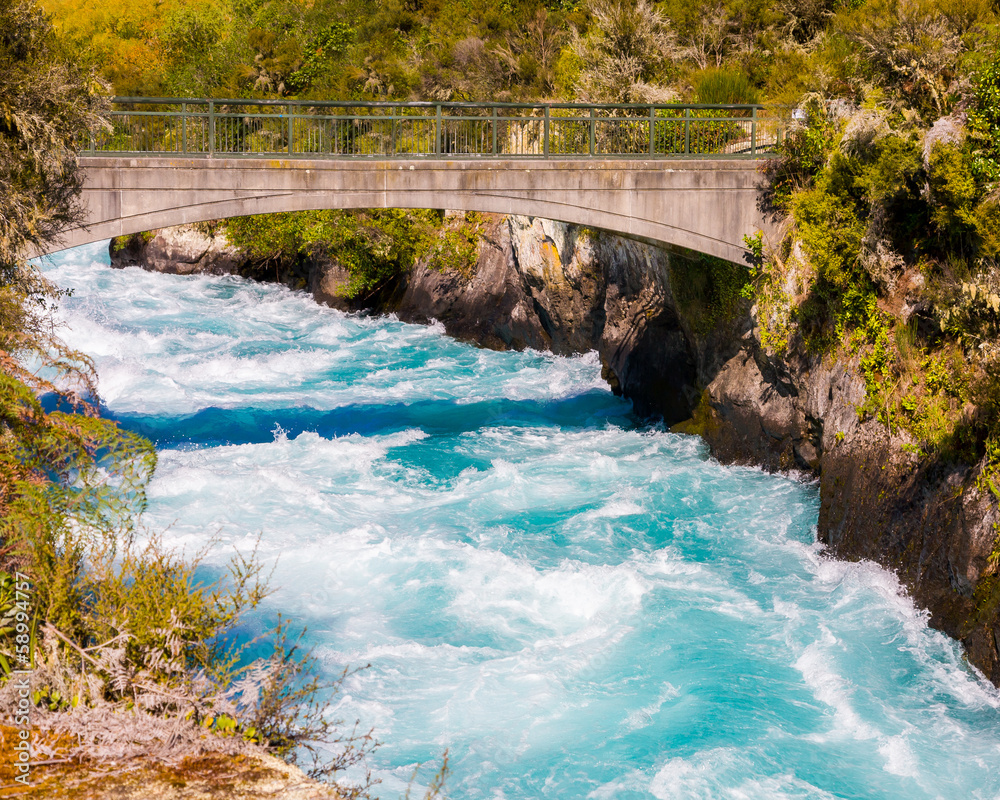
239	777
61	775
675	338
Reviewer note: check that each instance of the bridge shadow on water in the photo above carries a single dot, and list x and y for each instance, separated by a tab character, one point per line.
212	427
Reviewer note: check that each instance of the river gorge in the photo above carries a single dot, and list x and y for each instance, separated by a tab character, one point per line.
574	601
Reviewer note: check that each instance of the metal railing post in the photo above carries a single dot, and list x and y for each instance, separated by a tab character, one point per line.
211	128
687	131
184	128
392	131
437	132
753	133
494	130
652	130
291	130
593	131
545	134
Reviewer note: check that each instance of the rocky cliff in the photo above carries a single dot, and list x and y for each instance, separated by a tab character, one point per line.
672	340
882	499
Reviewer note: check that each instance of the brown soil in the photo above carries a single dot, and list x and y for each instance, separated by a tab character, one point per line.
207	777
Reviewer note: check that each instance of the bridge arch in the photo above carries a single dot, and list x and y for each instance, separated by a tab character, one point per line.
703	205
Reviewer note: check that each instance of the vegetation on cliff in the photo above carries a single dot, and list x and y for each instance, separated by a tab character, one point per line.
374	247
428	49
897	224
891	260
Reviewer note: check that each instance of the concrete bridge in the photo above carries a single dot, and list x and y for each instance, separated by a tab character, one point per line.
662	174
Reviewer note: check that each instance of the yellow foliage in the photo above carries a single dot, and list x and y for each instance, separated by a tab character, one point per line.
119	37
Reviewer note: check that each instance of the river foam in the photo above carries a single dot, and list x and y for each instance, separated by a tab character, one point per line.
576	605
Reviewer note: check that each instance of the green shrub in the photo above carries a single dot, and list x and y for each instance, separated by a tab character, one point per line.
376	247
893	172
831	234
157	597
724	87
801	156
984	123
954	193
987	221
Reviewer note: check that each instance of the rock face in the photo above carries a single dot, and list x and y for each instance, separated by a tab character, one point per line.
926	521
556	287
327	281
178	251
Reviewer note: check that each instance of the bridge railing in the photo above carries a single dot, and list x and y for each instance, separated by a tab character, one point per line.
288	128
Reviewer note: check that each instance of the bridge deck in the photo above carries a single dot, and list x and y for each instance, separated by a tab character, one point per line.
704	205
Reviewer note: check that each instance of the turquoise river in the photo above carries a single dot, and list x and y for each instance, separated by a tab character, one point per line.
574	603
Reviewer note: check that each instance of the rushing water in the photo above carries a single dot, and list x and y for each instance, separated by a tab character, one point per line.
574	604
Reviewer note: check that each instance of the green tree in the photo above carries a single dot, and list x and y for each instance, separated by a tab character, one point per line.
46	105
63	473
